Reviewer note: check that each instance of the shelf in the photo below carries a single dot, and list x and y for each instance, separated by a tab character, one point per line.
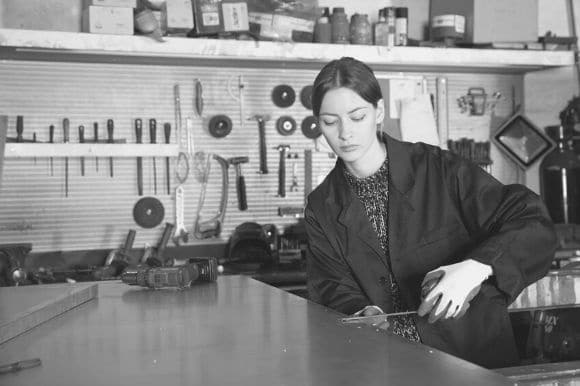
24	150
52	45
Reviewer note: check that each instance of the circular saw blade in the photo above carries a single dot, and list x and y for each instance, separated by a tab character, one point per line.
310	127
286	125
306	97
148	212
283	95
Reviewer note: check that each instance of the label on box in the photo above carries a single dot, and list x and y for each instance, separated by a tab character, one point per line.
280	27
179	15
211	19
235	16
112	3
457	22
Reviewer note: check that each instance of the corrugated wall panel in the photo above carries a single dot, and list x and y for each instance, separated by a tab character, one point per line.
98	211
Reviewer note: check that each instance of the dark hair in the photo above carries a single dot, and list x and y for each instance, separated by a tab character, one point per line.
346	72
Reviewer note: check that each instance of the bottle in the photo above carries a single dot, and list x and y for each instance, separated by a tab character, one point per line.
360	29
381	29
390	18
340	26
323	28
560	178
401	26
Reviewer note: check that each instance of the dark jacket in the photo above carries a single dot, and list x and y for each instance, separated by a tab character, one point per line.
442	209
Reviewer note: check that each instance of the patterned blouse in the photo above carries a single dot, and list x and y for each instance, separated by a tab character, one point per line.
373	192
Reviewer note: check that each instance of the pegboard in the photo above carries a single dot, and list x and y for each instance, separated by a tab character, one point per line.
98	210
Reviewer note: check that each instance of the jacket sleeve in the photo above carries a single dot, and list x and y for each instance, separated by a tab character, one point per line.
329	278
514	231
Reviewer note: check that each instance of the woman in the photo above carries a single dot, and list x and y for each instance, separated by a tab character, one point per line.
391	215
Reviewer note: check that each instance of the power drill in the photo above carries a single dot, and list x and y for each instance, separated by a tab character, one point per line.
204	269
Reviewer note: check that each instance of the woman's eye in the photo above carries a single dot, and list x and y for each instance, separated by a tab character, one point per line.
358	118
328	123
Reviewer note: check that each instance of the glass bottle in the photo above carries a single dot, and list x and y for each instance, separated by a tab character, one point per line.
360	29
323	28
560	178
340	26
401	26
381	29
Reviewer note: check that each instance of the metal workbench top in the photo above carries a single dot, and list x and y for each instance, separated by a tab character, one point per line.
237	331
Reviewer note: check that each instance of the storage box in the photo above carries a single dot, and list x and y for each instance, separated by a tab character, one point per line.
275	20
111	3
177	17
108	20
488	21
43	15
219	16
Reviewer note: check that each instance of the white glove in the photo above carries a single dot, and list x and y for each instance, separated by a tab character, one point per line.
458	284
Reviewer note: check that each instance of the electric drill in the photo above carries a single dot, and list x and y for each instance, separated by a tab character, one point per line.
195	270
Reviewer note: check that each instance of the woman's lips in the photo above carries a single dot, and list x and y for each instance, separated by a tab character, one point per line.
348	148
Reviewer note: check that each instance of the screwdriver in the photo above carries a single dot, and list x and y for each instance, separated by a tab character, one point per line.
34	141
51	140
65	128
82	140
110	128
167	129
153	139
96	138
139	136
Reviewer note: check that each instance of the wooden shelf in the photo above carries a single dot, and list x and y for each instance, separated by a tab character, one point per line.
52	45
24	150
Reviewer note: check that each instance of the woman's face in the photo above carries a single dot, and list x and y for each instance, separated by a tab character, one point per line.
349	124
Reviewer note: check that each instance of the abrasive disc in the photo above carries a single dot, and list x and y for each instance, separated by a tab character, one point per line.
148	212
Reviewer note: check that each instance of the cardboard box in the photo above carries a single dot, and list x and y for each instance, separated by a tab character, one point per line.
275	20
42	15
177	16
111	3
488	21
218	16
108	20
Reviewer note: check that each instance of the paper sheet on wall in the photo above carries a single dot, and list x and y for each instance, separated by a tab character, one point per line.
418	121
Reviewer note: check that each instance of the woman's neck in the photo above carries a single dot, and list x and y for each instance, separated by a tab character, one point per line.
370	162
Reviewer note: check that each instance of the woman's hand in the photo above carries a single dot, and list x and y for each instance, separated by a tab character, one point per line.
458	284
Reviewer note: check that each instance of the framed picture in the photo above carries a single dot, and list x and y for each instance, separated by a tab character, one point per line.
522	141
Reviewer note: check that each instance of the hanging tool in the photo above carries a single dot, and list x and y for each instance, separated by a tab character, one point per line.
82	140
240	97
51	140
177	111
213	226
307	174
66	130
261	119
96	139
139	139
283	95
220	126
286	125
153	139
282	170
34	141
198	97
376	319
148	212
167	132
294	186
181	172
310	127
306	96
110	133
240	181
19	128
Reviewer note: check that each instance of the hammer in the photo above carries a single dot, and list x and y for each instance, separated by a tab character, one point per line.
261	119
240	181
282	170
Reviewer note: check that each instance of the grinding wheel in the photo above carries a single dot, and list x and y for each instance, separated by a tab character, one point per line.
220	126
306	97
283	95
286	125
310	127
148	212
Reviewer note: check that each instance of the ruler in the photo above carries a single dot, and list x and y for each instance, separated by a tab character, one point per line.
442	111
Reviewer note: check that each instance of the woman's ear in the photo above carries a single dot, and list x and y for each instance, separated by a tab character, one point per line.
380	111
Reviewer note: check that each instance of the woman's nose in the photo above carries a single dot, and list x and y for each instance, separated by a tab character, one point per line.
345	131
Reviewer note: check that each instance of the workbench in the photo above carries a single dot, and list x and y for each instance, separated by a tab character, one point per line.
236	331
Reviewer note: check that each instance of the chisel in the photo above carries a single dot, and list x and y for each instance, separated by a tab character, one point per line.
51	140
65	129
96	139
167	130
110	128
153	139
82	140
139	137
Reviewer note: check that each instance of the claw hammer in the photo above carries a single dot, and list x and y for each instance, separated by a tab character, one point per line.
240	181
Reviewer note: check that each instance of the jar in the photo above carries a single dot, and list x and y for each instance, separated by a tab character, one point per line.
323	28
381	29
340	26
360	29
560	178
